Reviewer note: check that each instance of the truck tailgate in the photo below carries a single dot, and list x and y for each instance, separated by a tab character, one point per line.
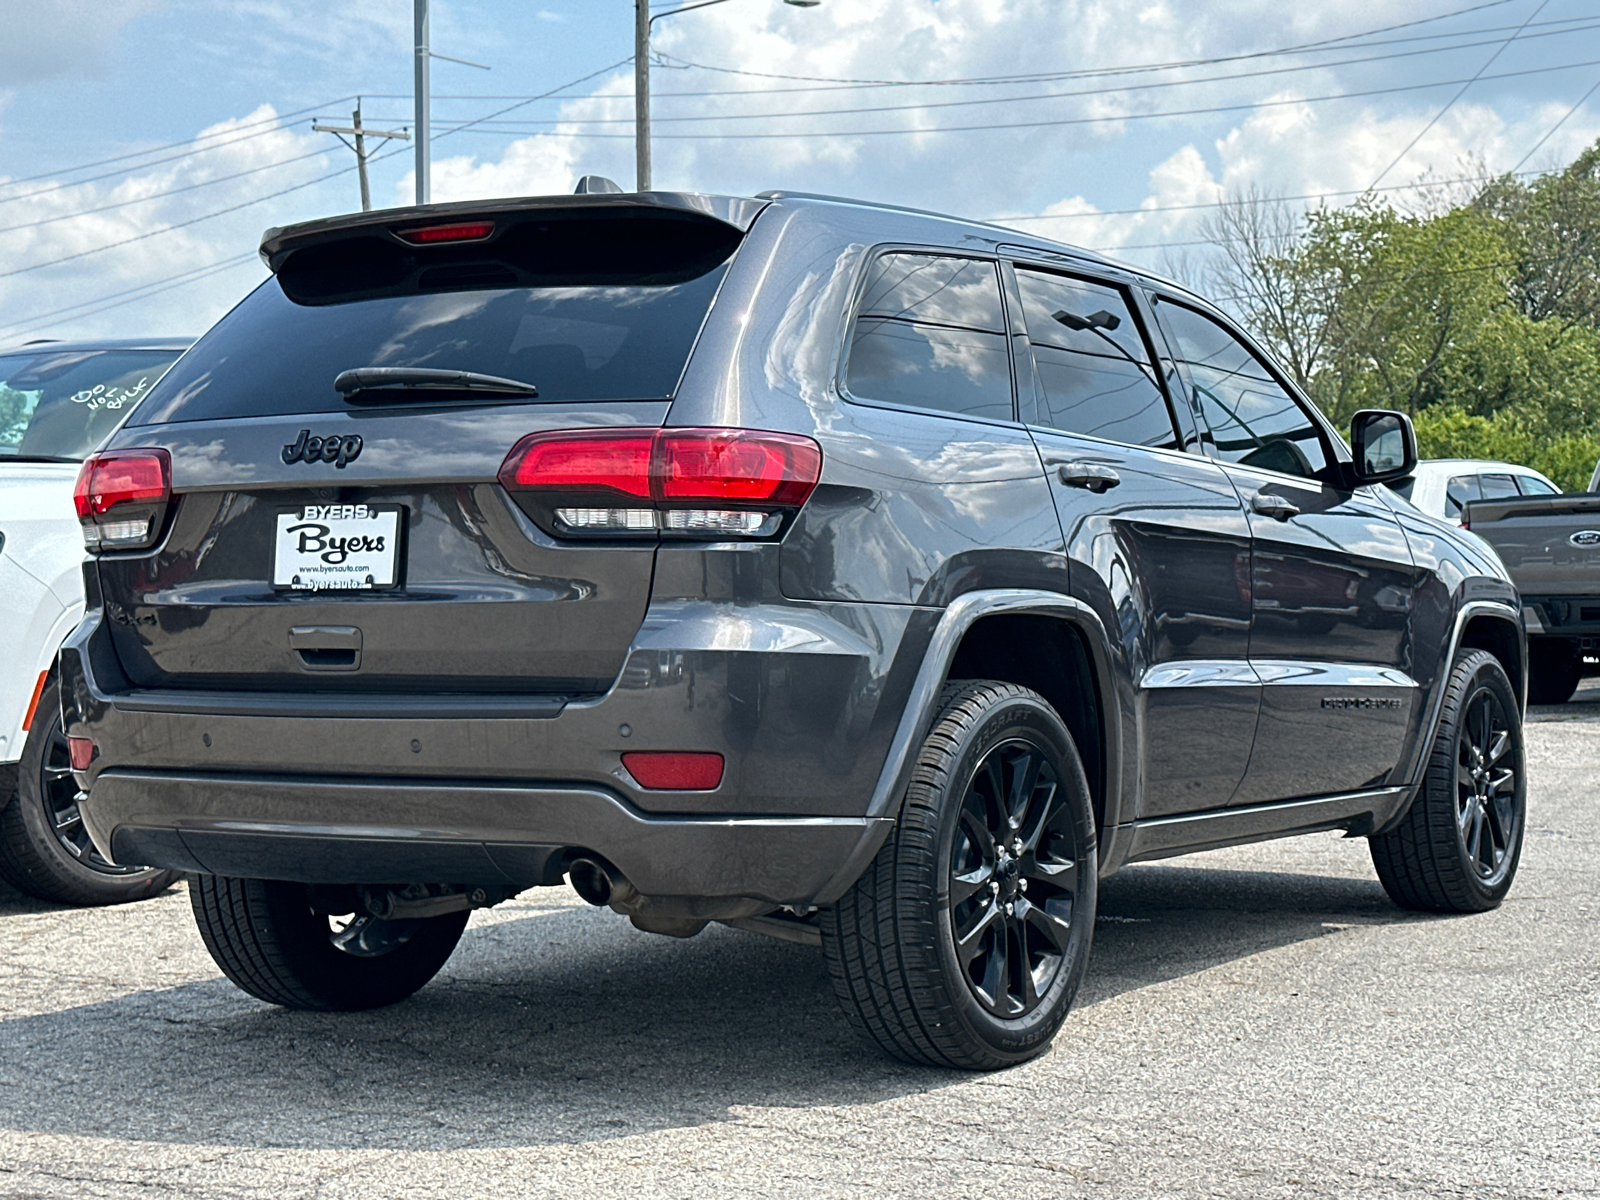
1550	544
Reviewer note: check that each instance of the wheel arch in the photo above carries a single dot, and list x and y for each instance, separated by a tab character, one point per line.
962	646
1502	636
1488	625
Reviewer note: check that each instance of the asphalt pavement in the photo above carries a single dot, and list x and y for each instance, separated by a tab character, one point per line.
1257	1022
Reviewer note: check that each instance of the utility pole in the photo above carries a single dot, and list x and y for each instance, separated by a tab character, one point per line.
642	20
361	135
421	84
641	95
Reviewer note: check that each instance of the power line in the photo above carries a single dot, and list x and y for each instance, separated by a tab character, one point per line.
280	117
1451	102
249	203
218	270
176	225
1164	208
39	320
1057	122
1163	84
1204	61
188	187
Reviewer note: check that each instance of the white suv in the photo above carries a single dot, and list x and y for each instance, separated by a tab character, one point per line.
58	401
1441	486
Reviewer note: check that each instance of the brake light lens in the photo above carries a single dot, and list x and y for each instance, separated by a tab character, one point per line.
679	482
675	771
460	231
122	496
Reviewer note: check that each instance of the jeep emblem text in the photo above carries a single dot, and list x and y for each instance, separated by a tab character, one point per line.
335	450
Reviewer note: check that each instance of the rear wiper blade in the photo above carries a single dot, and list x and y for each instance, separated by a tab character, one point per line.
367	379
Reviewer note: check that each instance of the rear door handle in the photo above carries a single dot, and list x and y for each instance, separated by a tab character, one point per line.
1276	507
1092	476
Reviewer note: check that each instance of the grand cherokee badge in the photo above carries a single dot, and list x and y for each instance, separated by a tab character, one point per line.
335	450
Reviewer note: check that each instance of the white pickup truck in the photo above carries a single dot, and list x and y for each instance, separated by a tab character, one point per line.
58	401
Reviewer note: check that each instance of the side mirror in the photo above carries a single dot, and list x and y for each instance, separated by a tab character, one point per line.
1384	444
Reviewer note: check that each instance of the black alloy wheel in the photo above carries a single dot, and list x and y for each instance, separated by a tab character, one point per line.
45	850
1488	812
1013	879
1456	848
964	941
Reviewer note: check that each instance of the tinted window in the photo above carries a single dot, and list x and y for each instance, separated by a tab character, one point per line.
1092	372
61	404
1461	490
1498	487
578	340
1253	420
931	333
1533	486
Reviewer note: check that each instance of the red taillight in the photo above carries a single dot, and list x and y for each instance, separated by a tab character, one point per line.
460	231
737	465
136	482
675	771
80	751
617	463
694	482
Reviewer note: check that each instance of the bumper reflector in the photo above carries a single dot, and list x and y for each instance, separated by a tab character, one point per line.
80	751
673	771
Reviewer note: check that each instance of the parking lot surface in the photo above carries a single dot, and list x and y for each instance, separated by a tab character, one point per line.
1256	1022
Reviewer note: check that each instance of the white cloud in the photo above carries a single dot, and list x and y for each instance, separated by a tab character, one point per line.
1115	157
59	222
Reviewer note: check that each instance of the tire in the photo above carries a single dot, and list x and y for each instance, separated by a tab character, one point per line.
1456	849
45	851
1555	670
270	941
891	941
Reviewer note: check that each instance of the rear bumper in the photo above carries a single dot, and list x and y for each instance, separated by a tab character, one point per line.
801	699
414	831
1576	618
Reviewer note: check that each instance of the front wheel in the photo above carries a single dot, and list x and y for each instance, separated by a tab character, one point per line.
1457	847
964	942
277	942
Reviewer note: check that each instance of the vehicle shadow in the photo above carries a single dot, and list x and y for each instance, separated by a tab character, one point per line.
567	1026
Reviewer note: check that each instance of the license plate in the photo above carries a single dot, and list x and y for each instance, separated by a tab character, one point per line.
324	547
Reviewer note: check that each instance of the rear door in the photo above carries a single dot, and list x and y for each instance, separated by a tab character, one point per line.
273	469
1331	577
1156	535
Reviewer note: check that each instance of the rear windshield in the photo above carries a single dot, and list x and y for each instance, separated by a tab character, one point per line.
60	404
591	328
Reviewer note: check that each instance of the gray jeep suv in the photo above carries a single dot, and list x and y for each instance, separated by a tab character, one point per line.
868	578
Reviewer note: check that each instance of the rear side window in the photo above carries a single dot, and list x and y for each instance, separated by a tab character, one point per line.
1533	486
583	310
930	333
1253	419
1498	487
1092	371
62	403
1459	492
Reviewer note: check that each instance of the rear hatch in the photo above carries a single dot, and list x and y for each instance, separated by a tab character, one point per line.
354	538
1550	544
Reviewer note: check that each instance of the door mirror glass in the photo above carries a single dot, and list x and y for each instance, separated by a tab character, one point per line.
1384	444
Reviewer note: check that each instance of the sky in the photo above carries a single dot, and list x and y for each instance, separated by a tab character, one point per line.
146	144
